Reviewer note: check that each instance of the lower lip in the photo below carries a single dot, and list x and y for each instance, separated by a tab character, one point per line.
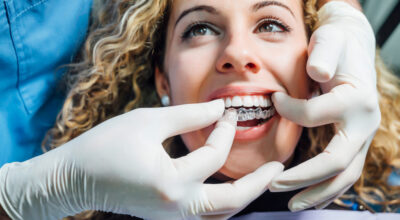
256	131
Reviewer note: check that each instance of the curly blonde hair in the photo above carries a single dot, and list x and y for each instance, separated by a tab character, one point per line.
116	74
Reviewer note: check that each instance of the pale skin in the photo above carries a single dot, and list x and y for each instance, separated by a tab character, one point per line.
281	69
265	48
354	3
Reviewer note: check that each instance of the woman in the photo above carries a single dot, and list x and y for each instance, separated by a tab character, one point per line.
244	67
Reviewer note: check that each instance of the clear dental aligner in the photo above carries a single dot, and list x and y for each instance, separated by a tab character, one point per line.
246	114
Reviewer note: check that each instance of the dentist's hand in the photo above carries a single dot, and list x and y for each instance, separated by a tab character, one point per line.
120	166
342	60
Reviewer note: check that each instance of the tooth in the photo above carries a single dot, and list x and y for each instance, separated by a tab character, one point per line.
272	111
262	103
265	102
228	102
255	101
236	101
269	103
258	113
260	100
265	114
242	116
247	101
251	114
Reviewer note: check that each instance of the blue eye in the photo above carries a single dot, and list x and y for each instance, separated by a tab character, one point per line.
198	29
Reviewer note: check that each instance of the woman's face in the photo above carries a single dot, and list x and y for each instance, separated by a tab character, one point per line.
241	51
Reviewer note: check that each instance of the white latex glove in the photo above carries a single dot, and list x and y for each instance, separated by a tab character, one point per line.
120	166
342	60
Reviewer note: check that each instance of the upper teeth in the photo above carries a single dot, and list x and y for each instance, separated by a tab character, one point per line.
247	101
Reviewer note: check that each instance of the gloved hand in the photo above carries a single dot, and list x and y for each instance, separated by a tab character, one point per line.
342	60
120	166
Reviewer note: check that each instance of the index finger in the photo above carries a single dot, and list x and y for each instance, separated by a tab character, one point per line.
203	162
175	120
324	109
325	49
339	153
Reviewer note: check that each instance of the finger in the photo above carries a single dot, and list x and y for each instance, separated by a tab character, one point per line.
325	49
324	109
329	201
328	190
324	193
205	161
231	197
181	119
336	158
309	197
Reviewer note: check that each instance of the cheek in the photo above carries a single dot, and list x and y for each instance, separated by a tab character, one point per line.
196	139
288	134
188	71
289	66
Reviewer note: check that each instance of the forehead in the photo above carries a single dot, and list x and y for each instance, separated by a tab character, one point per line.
245	6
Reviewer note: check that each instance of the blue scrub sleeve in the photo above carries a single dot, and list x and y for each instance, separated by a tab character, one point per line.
36	38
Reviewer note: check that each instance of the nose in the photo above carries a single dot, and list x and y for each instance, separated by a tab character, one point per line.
237	56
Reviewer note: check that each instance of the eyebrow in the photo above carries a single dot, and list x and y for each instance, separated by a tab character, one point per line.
212	10
263	4
206	8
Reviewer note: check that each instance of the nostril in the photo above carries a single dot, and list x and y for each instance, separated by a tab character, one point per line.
251	65
227	66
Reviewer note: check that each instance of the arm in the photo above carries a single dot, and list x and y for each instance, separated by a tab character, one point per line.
353	3
135	174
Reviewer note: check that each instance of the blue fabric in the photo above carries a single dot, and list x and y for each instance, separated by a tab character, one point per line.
36	38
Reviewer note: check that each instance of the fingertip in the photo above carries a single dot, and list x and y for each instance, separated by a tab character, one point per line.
275	186
230	116
218	104
295	206
319	72
276	166
278	97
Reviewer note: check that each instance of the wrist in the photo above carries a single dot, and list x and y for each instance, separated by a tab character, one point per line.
37	189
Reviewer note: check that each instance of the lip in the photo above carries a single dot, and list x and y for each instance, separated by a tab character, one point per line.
230	91
256	131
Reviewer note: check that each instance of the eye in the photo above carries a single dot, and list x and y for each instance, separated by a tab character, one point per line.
272	25
198	29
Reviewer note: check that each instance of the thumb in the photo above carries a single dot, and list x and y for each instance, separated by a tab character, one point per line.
314	112
228	197
181	119
324	51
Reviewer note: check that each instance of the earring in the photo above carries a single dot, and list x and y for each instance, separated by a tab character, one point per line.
165	100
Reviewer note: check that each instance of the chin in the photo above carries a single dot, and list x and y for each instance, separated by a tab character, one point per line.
277	144
246	157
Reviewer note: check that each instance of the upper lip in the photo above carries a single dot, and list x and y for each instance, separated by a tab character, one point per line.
230	91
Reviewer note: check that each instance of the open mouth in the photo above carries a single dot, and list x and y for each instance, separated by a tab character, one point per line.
252	111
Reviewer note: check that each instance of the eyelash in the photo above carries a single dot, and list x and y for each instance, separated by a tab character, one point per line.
195	25
276	21
268	20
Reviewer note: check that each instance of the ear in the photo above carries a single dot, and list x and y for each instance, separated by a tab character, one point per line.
162	84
